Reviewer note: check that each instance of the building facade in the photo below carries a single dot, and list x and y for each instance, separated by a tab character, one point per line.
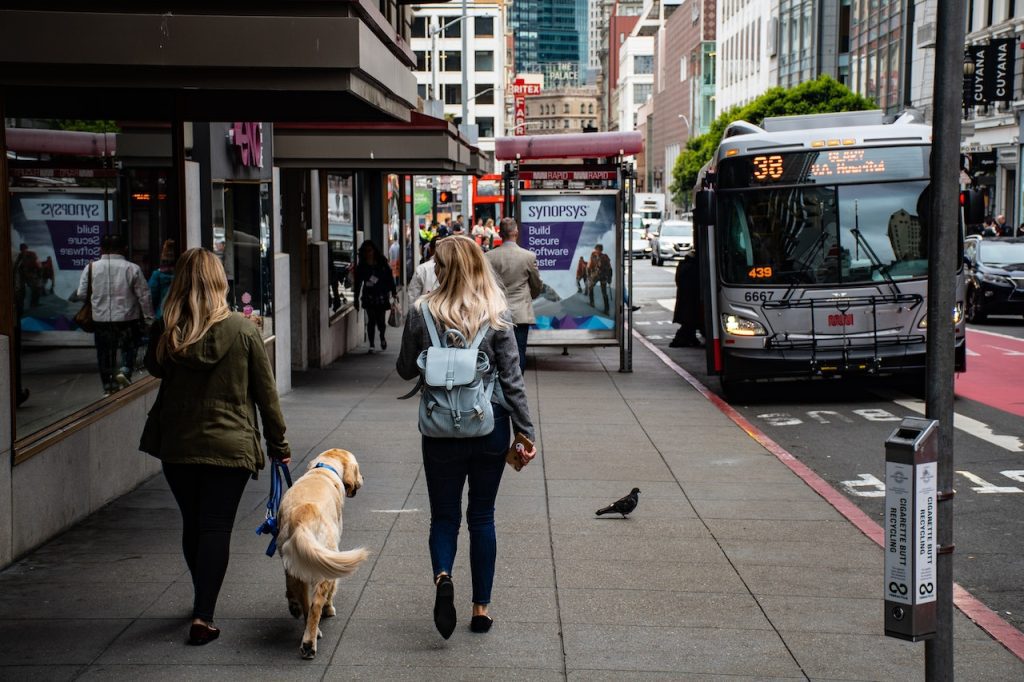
437	41
684	90
743	68
808	38
570	110
550	39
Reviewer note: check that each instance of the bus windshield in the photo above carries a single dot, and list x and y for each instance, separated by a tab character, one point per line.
822	234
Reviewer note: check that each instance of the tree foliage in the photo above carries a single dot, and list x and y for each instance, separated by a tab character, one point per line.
87	126
823	95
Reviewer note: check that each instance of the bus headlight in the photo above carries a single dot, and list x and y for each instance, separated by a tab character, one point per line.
741	326
958	316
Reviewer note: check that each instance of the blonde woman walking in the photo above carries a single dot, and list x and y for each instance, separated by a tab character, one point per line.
215	374
466	297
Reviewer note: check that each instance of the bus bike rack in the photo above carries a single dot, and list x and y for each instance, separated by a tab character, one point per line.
846	344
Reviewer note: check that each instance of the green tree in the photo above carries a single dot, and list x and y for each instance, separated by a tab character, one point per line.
823	95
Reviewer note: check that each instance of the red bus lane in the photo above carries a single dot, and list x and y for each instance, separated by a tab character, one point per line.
995	371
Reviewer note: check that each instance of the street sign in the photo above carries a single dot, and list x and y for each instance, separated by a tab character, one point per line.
911	475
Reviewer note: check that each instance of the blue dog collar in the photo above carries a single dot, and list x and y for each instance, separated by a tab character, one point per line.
321	465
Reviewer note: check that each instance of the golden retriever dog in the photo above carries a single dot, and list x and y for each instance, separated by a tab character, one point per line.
310	522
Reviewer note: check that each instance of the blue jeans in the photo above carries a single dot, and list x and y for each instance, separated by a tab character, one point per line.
447	463
522	331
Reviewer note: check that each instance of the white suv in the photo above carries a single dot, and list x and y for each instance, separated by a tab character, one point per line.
673	240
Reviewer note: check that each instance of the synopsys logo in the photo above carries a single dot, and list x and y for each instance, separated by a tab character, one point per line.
69	210
576	212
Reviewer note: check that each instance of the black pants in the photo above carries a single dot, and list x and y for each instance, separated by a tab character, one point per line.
115	350
208	497
376	318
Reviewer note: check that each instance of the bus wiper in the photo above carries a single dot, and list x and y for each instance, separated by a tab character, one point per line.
876	262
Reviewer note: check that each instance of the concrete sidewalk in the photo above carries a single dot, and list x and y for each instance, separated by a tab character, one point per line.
731	567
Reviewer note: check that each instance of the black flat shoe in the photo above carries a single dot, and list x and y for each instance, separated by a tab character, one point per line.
383	344
200	634
444	607
481	623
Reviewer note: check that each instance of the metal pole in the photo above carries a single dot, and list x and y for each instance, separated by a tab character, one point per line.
942	263
433	61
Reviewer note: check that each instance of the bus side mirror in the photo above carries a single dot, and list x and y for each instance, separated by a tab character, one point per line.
972	201
704	208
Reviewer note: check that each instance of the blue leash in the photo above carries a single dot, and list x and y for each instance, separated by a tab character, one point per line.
278	471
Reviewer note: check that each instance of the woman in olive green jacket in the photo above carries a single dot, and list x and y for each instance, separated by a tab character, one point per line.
215	374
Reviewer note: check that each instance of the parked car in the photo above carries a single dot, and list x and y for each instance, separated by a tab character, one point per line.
995	277
673	240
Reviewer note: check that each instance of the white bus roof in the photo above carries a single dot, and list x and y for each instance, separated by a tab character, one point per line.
796	133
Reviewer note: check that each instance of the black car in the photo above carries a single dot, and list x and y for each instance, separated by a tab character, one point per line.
995	277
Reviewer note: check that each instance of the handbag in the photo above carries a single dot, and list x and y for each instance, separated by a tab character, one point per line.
83	318
395	316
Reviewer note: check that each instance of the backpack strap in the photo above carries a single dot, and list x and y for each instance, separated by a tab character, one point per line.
479	336
428	319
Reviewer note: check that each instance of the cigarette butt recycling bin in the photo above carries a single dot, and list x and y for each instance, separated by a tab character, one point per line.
911	473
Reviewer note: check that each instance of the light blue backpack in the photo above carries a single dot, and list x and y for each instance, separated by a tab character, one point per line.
457	385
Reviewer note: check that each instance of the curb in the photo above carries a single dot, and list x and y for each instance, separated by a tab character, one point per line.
984	617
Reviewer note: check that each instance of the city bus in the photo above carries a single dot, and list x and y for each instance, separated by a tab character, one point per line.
812	249
488	198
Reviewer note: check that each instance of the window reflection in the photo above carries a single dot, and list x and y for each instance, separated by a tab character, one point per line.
72	185
340	240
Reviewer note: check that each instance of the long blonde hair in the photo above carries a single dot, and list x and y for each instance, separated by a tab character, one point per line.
196	301
467	292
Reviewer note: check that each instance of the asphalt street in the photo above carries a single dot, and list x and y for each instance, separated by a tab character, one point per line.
838	428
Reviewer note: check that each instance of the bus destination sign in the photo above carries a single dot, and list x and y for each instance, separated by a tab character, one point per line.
827	166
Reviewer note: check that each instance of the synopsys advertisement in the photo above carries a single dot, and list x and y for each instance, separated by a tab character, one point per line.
54	237
573	236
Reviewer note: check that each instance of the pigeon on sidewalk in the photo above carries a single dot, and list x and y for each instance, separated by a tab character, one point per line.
622	506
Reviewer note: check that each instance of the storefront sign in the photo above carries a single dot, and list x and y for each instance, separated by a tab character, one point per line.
246	141
520	116
1001	56
991	79
575	240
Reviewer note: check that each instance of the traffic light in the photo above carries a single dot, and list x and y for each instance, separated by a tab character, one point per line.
444	197
972	201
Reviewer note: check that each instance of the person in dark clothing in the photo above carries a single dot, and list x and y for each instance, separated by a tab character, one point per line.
687	310
374	288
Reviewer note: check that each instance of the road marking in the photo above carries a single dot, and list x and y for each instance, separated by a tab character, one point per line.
874	487
972	426
984	486
878	415
1014	475
667	303
780	419
1007	351
818	416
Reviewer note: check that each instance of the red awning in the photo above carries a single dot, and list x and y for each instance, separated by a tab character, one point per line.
61	142
574	145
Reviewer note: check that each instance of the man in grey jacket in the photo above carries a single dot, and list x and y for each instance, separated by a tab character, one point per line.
517	271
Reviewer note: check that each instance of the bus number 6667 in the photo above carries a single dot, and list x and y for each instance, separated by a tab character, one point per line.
750	296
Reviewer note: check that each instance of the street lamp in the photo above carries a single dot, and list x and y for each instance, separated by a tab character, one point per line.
689	131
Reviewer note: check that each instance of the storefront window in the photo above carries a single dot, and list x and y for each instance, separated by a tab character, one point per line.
241	237
75	185
340	240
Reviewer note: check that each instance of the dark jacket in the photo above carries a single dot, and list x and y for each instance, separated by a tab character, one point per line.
374	284
502	351
205	412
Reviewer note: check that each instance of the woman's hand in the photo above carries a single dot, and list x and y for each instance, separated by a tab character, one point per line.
524	456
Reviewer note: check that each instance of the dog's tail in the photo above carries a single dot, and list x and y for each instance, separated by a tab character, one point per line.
306	558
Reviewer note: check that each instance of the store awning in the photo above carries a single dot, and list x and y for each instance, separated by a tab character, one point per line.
423	146
295	61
